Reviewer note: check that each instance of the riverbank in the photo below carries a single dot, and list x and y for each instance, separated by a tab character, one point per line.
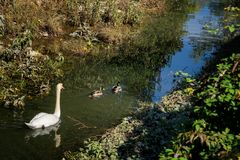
181	126
143	134
107	21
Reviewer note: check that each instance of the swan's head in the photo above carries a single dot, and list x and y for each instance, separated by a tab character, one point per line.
60	86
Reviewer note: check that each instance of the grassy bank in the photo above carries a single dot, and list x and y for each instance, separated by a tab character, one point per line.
54	18
80	25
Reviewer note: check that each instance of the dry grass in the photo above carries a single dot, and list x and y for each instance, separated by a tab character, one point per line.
76	47
110	34
154	6
36	15
49	18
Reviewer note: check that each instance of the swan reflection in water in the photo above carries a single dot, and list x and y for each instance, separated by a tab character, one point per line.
46	131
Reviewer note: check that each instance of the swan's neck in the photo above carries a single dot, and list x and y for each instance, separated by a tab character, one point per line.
57	111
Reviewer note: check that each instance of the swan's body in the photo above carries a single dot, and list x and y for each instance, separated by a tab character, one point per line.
117	88
96	93
42	120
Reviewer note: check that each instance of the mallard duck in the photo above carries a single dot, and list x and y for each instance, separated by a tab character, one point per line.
96	93
117	88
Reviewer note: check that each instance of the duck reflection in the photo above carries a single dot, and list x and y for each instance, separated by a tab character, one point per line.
45	131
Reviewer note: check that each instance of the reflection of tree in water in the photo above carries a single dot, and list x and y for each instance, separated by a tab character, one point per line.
152	49
202	44
216	8
137	61
211	32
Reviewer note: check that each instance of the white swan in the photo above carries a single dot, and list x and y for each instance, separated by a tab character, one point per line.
42	120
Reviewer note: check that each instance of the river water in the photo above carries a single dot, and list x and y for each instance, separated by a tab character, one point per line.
187	44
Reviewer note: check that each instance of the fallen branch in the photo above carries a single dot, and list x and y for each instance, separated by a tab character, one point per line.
235	66
82	125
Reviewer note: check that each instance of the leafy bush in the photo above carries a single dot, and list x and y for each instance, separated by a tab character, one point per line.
215	132
231	21
218	100
25	72
202	145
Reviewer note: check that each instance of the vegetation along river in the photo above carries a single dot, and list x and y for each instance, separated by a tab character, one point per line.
170	43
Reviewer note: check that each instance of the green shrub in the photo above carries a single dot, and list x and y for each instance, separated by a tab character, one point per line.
25	72
215	132
218	100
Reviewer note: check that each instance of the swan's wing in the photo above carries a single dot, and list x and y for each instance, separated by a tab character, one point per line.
38	116
44	120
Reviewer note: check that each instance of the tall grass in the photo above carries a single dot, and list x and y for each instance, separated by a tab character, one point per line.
35	15
41	16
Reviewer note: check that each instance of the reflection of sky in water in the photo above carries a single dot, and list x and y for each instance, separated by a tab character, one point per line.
184	59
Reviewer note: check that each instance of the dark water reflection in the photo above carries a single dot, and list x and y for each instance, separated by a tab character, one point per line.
145	68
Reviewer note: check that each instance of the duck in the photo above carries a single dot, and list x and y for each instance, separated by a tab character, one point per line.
43	120
117	88
96	93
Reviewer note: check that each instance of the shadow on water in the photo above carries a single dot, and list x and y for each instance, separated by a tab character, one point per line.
156	131
225	50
